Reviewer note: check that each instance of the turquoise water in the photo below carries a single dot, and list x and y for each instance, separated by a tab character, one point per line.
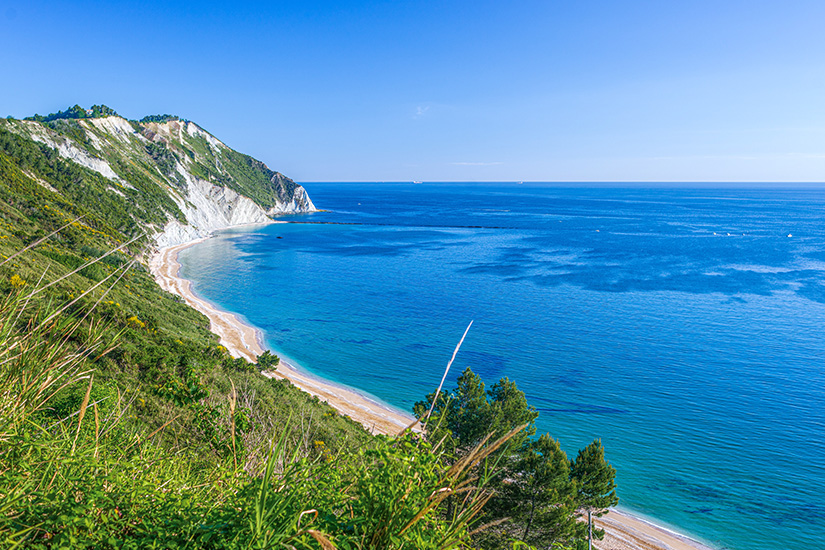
682	326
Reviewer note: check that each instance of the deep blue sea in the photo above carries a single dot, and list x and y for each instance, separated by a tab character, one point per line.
683	327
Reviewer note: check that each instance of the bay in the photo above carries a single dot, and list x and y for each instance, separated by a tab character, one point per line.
682	326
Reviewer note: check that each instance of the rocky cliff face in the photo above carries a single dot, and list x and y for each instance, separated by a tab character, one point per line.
207	208
197	183
291	197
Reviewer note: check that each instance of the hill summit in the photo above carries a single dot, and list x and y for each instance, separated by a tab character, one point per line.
170	176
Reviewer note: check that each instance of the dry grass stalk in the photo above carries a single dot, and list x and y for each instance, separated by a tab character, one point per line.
321	539
97	430
156	432
233	398
477	499
34	365
83	407
444	377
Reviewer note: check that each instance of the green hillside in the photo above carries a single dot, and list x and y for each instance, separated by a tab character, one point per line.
123	423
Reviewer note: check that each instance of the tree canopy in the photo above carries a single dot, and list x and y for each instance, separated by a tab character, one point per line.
97	111
464	416
596	479
539	493
596	483
159	118
547	505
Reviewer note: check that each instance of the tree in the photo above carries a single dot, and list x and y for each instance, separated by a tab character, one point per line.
596	485
267	360
464	416
509	408
540	496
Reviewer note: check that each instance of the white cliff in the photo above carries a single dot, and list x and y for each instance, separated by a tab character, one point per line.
170	154
207	208
299	203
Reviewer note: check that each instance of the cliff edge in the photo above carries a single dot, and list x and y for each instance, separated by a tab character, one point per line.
175	180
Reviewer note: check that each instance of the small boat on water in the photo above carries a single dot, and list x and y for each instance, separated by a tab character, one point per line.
417	182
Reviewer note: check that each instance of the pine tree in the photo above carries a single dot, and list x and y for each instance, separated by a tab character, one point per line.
543	494
596	483
468	413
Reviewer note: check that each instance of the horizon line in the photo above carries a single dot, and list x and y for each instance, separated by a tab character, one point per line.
589	182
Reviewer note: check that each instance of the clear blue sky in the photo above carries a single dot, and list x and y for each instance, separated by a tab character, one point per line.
449	91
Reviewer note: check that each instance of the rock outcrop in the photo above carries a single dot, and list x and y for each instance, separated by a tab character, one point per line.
292	198
194	179
208	208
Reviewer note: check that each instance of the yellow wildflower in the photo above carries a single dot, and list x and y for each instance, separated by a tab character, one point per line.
134	322
16	281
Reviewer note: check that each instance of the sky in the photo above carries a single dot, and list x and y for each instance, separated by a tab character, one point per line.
448	91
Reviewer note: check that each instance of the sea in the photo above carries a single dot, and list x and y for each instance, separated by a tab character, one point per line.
681	325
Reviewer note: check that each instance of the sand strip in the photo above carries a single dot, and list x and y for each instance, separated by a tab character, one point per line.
622	531
243	340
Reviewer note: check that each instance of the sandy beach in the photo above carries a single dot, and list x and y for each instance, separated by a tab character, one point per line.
243	340
622	531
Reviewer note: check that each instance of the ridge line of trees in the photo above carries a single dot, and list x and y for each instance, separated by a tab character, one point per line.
76	112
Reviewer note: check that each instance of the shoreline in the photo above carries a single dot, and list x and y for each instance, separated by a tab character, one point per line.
244	340
623	530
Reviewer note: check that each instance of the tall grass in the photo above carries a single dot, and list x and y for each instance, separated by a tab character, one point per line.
36	359
94	477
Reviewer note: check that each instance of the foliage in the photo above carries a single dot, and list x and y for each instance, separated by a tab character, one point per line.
96	478
540	496
149	168
163	157
37	182
538	492
267	360
167	369
464	416
595	477
596	482
76	112
159	118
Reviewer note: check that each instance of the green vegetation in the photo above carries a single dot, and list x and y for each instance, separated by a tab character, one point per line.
267	360
122	207
124	423
90	474
595	482
229	168
146	160
538	494
159	118
97	111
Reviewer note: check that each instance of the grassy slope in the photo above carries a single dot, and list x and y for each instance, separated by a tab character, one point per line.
89	474
181	430
227	167
165	445
147	158
166	353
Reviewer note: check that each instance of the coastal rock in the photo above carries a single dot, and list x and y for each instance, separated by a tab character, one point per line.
208	208
211	186
292	198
